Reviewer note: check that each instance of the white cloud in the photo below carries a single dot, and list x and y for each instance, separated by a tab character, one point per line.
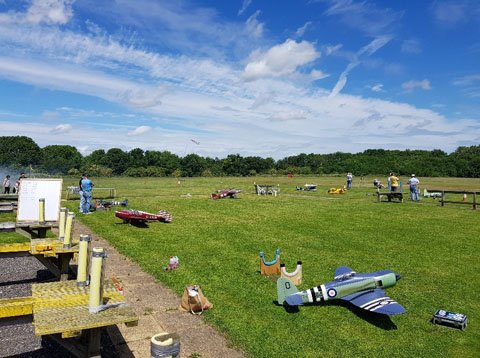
364	16
139	131
280	60
288	116
49	115
50	12
61	129
245	5
301	30
450	12
412	84
205	97
318	74
364	52
411	46
332	49
253	26
467	80
142	98
377	87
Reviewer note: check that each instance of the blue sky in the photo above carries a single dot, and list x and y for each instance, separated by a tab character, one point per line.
254	77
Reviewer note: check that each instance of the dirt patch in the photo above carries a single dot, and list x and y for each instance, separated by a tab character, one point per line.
157	308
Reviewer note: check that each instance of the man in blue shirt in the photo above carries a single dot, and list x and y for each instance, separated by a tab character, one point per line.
86	186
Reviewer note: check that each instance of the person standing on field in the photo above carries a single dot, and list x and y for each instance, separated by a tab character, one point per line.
393	179
6	185
87	187
349	180
413	183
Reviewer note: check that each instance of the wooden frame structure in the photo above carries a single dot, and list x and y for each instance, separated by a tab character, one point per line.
60	312
464	193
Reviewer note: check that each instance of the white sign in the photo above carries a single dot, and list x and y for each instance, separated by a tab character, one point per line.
31	191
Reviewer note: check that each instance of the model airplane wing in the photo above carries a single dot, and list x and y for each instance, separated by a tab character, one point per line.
342	271
375	301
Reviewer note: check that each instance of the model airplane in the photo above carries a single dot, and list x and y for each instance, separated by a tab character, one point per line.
363	290
137	216
106	205
226	193
307	187
432	194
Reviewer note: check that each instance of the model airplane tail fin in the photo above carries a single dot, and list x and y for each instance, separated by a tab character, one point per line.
285	288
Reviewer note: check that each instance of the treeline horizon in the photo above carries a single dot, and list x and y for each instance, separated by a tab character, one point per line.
21	152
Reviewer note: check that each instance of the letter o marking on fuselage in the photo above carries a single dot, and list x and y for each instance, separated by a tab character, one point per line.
331	292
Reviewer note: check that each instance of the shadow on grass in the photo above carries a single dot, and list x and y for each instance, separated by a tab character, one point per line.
139	224
382	321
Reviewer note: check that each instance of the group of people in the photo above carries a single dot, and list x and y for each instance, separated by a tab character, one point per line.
413	183
394	183
7	184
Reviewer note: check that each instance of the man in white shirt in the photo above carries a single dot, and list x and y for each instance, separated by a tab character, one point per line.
414	182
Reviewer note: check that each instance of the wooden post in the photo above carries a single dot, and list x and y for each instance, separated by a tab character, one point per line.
474	200
443	197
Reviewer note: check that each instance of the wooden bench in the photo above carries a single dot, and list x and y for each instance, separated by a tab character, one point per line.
60	311
464	194
50	252
390	195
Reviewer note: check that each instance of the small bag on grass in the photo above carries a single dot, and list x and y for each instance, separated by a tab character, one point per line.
194	301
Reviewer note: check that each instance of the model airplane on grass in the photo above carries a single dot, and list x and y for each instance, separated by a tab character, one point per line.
307	187
364	290
137	216
226	193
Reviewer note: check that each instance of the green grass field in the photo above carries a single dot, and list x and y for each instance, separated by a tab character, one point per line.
435	249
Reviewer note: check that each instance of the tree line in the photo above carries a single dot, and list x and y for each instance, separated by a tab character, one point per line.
20	152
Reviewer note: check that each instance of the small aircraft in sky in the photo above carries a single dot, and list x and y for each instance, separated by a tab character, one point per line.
363	290
226	193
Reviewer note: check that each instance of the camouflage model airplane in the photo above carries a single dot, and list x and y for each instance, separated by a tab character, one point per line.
363	290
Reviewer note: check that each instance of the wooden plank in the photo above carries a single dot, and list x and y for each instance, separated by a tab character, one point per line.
62	307
15	247
14	307
66	319
68	294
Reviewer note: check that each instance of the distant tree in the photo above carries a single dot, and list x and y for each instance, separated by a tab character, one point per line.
98	171
467	161
97	157
117	160
166	160
19	151
59	159
137	158
234	165
193	165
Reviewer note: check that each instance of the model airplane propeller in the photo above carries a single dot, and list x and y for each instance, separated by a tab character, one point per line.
363	290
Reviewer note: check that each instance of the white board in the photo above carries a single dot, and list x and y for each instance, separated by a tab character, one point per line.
31	190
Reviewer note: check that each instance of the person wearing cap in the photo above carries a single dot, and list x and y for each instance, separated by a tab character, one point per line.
413	183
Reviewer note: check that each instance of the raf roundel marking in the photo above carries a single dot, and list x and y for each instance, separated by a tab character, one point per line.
331	292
